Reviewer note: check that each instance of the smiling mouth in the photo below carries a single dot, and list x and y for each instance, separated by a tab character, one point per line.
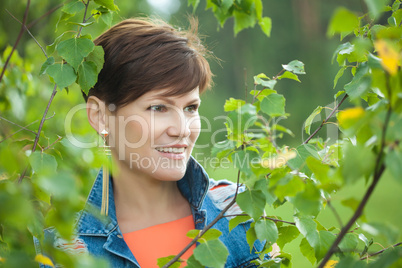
173	150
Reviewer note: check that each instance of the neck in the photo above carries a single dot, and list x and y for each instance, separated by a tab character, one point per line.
142	201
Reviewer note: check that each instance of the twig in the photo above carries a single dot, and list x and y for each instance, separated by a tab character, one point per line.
17	41
40	129
26	29
338	218
53	143
381	251
83	20
45	15
378	170
326	119
206	228
12	134
265	217
24	128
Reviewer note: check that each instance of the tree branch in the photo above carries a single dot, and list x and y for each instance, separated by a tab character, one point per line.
378	170
40	129
29	32
17	41
326	119
381	251
45	15
206	228
83	20
24	128
265	217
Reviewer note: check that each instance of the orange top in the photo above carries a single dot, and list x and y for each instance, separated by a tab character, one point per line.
162	240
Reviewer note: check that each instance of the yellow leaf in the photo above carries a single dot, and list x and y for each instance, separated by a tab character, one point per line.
330	264
2	259
279	160
388	55
44	260
349	117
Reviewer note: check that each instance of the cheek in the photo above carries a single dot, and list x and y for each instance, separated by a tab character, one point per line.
132	131
195	128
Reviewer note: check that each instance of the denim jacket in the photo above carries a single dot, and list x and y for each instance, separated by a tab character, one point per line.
104	238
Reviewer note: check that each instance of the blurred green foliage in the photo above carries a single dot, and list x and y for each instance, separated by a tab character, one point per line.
63	173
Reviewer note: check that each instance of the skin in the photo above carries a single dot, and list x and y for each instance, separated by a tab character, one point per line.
144	184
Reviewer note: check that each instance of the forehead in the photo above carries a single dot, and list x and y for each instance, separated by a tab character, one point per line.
165	94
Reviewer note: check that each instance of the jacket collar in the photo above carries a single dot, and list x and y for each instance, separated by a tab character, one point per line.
193	186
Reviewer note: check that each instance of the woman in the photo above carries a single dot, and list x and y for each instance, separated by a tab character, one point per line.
145	105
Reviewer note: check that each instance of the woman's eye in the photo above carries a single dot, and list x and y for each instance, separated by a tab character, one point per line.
157	108
191	108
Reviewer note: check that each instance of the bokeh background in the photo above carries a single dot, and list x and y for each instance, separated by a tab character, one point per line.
298	32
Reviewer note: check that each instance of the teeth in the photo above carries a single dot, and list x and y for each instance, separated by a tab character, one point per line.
171	150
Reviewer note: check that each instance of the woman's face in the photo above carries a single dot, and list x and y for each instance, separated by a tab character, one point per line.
154	135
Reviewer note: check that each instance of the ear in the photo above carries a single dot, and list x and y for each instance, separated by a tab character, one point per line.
96	113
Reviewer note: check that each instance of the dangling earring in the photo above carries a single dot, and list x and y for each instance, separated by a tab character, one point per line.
105	178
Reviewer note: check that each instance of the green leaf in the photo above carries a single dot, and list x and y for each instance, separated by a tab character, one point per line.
74	50
62	186
251	237
211	234
43	163
212	254
49	61
50	48
82	24
348	243
252	202
343	21
162	261
310	118
266	230
358	162
109	4
383	229
233	104
326	240
107	18
339	74
289	75
242	119
266	25
195	4
226	4
307	250
289	186
87	76
360	84
393	161
303	152
258	80
97	57
273	105
62	74
294	66
193	263
308	228
242	21
73	7
309	201
286	235
376	7
237	220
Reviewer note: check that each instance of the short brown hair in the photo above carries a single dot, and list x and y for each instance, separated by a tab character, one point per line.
143	55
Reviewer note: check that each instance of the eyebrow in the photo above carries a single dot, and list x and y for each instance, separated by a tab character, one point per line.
171	102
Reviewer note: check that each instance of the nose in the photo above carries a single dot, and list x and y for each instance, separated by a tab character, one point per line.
179	126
